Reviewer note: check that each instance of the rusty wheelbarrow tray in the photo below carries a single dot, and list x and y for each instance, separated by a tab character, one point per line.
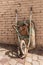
24	41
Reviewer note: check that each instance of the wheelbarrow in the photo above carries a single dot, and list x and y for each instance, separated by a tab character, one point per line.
25	31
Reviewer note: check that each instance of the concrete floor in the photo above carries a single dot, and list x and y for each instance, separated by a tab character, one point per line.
33	57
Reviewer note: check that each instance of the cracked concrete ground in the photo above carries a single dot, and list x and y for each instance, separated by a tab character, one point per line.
33	57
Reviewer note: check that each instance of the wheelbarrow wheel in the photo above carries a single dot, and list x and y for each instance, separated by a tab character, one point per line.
23	47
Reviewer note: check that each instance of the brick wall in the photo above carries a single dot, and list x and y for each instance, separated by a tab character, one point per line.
7	18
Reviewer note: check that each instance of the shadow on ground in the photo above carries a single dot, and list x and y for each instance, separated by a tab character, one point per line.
38	51
12	50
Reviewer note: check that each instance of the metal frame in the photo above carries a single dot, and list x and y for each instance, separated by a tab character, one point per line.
16	26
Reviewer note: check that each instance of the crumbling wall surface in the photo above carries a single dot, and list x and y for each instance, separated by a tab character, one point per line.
7	18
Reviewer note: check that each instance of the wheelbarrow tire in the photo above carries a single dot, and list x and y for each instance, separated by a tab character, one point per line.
23	47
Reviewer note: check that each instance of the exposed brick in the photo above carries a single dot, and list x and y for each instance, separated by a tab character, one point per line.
7	18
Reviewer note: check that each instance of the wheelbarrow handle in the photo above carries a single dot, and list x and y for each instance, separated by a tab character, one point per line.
16	10
31	9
